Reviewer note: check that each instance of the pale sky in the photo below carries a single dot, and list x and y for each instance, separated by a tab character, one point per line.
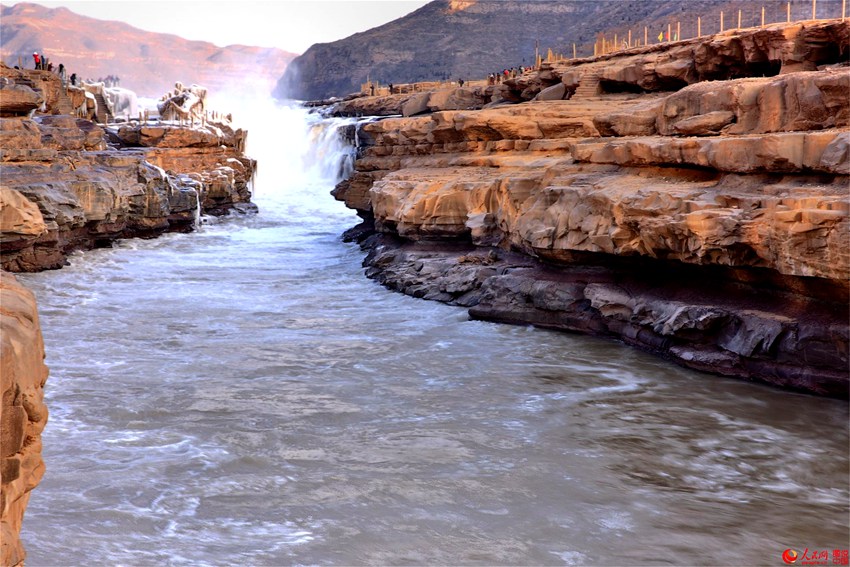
292	25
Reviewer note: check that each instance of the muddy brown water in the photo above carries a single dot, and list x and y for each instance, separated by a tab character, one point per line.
244	395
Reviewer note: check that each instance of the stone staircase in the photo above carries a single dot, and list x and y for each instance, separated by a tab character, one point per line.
589	85
64	103
103	113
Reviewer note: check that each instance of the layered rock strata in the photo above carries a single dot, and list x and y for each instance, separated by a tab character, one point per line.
23	414
708	225
70	184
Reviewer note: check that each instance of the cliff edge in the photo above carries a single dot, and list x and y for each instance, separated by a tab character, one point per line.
69	183
691	199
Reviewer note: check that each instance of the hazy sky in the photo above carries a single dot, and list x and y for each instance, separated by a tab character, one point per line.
292	25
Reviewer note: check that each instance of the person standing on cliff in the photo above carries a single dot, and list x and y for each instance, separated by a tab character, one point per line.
36	58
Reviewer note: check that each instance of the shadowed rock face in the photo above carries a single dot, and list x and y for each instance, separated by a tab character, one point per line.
708	225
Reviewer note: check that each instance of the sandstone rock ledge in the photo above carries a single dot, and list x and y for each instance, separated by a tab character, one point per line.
70	184
67	184
708	223
23	414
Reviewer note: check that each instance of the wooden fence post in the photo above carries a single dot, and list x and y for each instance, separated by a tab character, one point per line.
843	9
787	13
739	19
669	32
630	38
721	21
645	35
814	9
699	26
574	51
762	15
678	31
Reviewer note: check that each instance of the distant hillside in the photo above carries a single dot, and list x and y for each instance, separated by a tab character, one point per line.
451	39
146	62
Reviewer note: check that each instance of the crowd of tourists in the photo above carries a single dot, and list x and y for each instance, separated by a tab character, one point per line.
505	74
42	63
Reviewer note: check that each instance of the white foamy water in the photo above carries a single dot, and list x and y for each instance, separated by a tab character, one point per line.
243	395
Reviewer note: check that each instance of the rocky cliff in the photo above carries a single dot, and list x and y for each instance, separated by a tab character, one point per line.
22	411
671	197
71	184
468	40
145	62
68	184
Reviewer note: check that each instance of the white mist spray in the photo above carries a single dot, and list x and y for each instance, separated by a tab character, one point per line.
300	155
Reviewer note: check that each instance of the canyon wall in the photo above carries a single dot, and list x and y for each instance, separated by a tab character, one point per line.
70	184
645	196
23	414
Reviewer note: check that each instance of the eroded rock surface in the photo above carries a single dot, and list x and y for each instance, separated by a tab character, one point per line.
70	184
23	414
709	225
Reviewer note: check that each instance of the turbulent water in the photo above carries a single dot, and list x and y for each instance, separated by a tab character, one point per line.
243	395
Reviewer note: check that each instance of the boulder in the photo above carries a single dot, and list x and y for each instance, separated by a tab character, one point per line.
17	100
706	124
555	92
20	218
417	104
22	134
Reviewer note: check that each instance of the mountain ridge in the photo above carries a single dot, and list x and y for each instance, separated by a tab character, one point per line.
146	62
451	39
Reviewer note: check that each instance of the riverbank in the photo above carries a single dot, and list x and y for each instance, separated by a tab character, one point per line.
694	209
70	184
244	392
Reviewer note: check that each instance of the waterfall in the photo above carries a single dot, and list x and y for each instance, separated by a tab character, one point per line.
331	154
302	155
196	223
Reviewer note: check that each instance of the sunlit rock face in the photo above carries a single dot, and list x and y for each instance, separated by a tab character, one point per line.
23	414
70	184
708	225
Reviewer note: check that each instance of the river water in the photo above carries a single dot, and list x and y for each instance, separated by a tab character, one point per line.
244	395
